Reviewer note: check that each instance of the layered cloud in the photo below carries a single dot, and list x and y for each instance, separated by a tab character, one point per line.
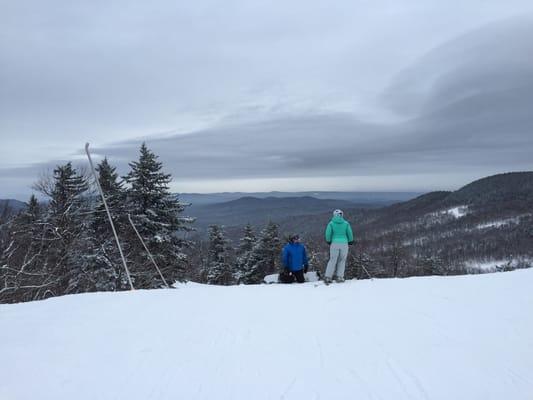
467	104
234	112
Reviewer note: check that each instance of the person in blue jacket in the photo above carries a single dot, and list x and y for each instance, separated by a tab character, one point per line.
294	259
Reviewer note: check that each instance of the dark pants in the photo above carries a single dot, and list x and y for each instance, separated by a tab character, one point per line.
297	276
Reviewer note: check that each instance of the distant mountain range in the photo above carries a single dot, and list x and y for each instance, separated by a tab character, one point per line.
383	198
257	211
11	206
236	209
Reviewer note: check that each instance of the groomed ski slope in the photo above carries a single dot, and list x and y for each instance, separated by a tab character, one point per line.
447	338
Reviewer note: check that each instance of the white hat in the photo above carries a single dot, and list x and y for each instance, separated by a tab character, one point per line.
337	212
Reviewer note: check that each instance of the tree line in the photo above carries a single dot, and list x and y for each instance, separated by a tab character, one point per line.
65	244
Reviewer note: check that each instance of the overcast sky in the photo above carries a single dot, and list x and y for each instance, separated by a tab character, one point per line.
270	95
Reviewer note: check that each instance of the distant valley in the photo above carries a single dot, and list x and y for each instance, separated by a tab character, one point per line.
237	209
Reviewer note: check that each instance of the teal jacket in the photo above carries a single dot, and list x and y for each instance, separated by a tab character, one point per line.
339	231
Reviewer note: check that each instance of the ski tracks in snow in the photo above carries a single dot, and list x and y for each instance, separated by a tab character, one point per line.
288	389
402	376
364	384
407	381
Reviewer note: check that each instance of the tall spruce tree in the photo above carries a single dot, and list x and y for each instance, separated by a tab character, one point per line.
244	251
115	195
156	214
265	256
103	264
218	265
67	228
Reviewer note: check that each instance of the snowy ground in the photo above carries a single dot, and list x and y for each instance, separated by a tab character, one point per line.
468	337
456	212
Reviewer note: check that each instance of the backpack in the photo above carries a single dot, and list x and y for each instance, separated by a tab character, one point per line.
286	277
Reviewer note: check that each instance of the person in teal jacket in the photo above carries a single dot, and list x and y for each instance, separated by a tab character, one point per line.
338	235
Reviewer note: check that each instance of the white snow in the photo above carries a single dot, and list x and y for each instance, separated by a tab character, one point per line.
438	216
499	223
457	212
438	338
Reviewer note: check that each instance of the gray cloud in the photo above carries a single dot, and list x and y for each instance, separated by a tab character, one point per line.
495	58
475	112
234	98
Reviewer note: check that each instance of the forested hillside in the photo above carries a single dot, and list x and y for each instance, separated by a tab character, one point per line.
487	224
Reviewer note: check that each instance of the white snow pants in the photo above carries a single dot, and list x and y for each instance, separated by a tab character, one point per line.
337	260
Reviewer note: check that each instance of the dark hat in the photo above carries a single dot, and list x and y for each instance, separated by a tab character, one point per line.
294	237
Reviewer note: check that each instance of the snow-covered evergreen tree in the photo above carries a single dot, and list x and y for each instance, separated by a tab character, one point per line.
156	214
46	250
115	195
67	223
244	251
265	255
103	265
22	256
218	268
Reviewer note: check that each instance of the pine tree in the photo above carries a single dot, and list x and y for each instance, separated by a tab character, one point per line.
247	241
115	195
265	256
67	192
218	266
244	251
156	214
67	227
103	264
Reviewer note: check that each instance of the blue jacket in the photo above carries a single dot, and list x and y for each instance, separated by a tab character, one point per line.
294	256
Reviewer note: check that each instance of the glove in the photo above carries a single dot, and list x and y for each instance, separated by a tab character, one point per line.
350	243
287	270
306	268
328	243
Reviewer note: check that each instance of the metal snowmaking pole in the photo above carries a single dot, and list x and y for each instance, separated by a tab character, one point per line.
148	251
108	215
